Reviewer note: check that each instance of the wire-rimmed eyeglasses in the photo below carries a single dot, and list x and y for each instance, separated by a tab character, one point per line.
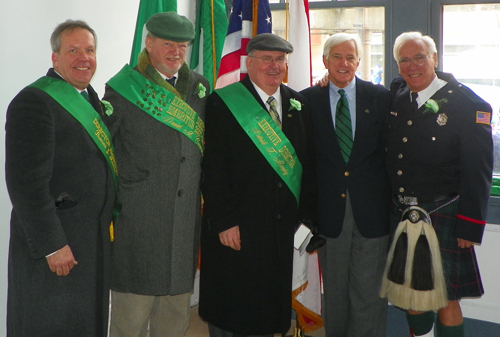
417	60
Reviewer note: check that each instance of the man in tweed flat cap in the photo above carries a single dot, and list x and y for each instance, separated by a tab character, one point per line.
157	127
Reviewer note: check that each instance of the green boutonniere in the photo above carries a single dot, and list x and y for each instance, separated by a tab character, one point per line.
294	104
108	108
433	106
200	90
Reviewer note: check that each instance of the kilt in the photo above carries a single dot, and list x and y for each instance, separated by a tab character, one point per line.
460	267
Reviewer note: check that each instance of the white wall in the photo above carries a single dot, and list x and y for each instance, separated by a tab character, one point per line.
25	29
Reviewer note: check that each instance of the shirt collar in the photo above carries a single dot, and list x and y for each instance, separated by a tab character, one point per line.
263	96
350	89
431	89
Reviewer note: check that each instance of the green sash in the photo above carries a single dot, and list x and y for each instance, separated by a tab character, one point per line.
159	103
265	134
69	98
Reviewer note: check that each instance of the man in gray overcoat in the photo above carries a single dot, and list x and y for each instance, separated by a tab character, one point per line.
157	126
59	170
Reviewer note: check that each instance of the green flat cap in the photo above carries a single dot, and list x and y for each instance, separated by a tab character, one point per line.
171	26
269	42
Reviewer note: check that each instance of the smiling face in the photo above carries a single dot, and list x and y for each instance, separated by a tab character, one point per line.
417	77
342	63
76	59
266	76
165	55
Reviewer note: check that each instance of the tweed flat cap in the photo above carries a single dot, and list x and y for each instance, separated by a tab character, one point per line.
171	26
269	42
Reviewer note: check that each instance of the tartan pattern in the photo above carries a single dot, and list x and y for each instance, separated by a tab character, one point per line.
343	126
460	267
273	112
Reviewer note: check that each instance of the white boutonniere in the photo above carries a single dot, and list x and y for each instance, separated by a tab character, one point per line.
433	106
294	104
108	108
200	90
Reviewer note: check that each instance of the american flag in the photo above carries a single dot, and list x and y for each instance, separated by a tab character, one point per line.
240	31
483	117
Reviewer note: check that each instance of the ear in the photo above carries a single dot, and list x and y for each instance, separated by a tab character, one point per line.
435	59
54	60
325	62
248	62
149	44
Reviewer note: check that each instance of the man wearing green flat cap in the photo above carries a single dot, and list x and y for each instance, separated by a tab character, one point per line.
157	128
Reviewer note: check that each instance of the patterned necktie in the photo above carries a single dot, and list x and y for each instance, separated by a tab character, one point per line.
414	102
343	126
171	80
272	110
85	95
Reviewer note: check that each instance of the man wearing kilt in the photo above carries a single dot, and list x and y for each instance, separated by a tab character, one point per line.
439	160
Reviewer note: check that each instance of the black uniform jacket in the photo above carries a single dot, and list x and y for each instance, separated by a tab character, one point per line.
364	176
432	154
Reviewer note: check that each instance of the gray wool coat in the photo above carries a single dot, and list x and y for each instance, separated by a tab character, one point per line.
49	154
157	233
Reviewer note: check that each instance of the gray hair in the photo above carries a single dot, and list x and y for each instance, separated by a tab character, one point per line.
413	36
339	38
68	25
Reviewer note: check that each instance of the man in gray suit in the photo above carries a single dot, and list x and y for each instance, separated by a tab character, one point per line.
157	126
348	119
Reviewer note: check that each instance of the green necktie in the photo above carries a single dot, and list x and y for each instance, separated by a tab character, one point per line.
343	126
85	95
272	110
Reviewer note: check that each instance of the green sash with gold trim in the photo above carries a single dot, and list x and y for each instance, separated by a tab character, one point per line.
74	103
159	103
265	134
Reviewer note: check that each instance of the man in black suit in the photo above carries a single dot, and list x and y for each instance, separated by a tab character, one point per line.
59	170
258	183
353	191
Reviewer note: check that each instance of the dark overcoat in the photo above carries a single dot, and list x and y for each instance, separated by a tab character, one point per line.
364	176
48	154
249	291
155	251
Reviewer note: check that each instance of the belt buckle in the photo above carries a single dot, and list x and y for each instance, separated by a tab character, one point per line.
410	201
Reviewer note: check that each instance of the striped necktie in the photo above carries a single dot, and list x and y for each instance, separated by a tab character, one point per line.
343	126
272	110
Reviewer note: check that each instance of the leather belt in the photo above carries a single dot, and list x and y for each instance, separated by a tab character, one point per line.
413	201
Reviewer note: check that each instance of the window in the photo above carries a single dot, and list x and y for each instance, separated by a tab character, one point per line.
367	22
471	50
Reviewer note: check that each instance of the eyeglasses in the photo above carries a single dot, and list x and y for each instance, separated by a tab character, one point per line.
417	60
269	60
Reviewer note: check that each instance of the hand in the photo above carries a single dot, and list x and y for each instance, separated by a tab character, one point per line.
324	81
465	243
231	238
62	261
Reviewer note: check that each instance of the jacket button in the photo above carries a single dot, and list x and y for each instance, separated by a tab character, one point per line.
409	122
278	216
401	190
405	139
400	156
346	174
179	193
183	159
280	185
400	173
343	195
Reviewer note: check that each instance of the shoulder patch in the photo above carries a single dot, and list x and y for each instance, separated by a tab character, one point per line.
483	117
